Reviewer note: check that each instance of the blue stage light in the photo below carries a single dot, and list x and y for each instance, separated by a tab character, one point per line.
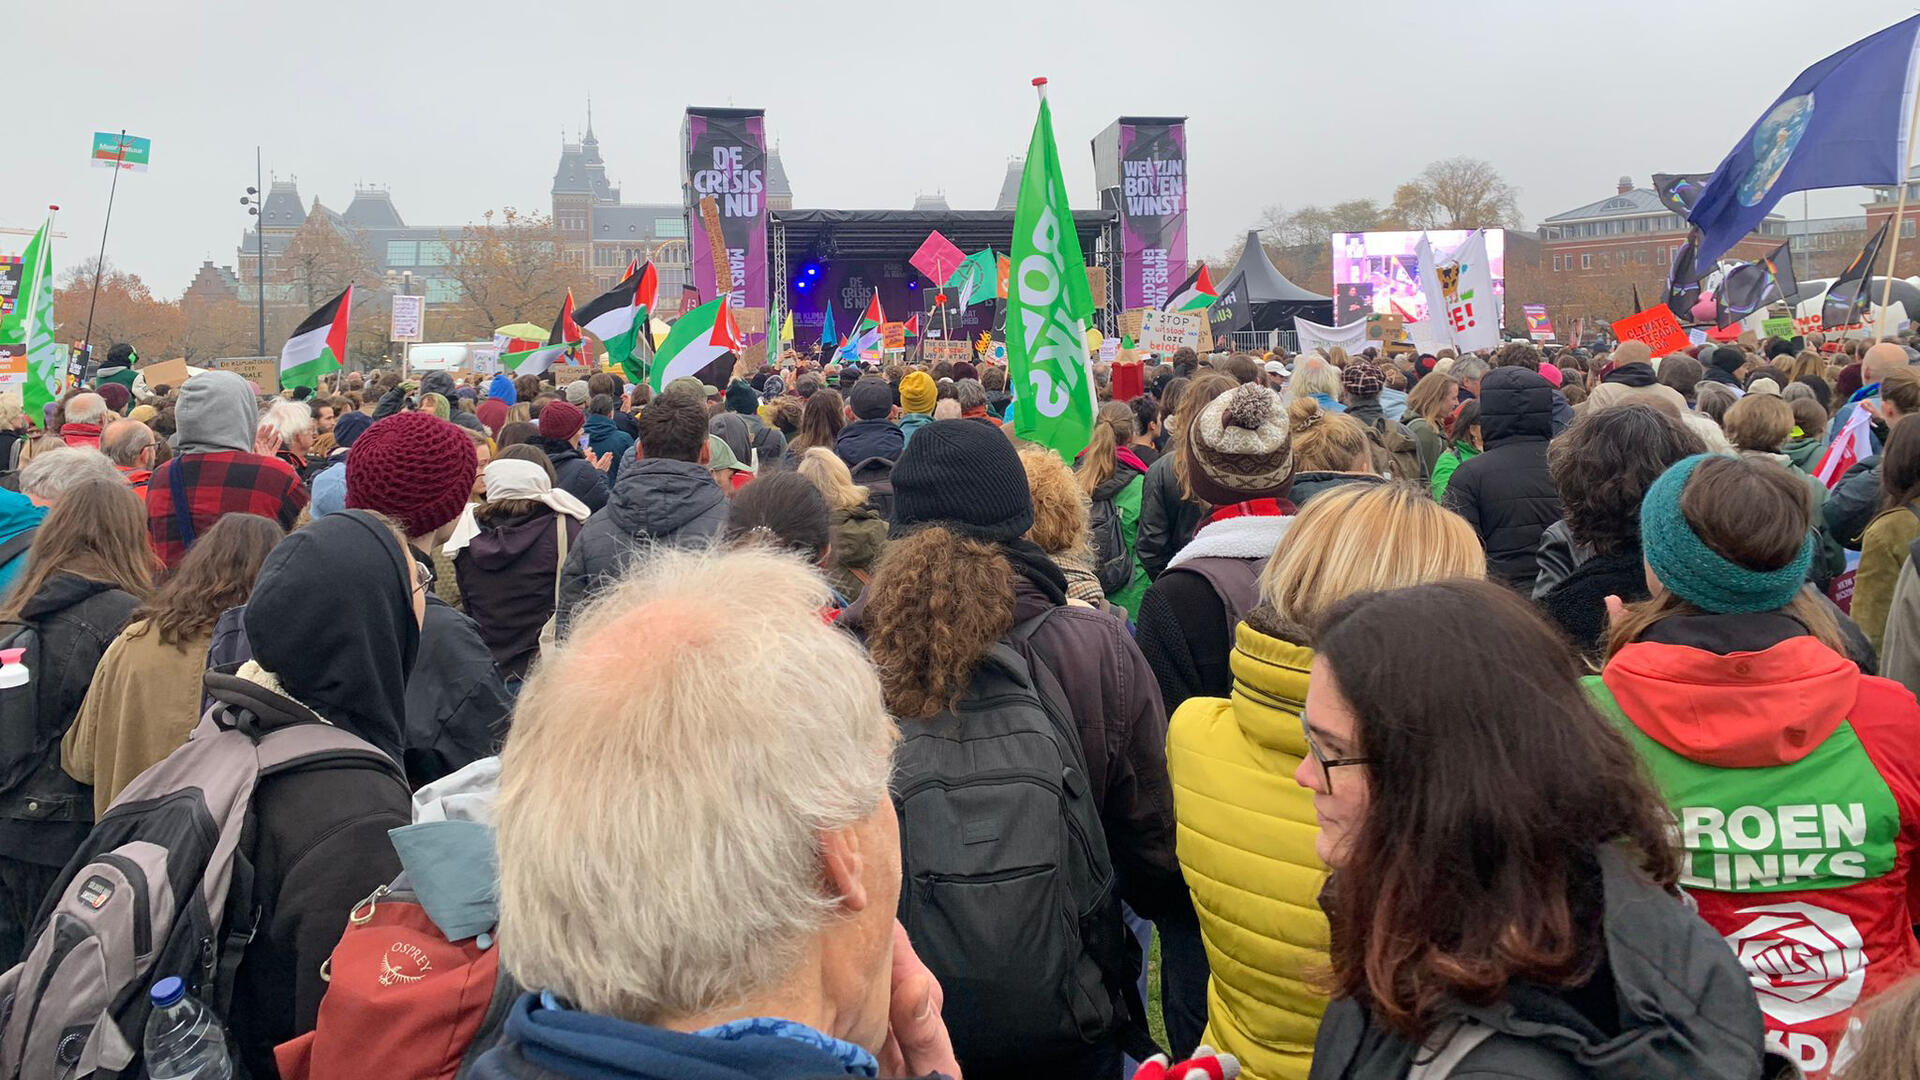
812	270
913	284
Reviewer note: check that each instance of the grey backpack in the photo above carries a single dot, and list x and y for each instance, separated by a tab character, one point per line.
162	886
1007	889
1112	562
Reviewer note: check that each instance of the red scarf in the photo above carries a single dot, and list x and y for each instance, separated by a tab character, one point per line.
1251	508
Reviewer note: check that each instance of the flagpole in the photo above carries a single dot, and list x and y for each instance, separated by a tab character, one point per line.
1899	213
100	263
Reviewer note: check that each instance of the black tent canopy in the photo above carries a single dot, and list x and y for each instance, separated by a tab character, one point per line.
1274	299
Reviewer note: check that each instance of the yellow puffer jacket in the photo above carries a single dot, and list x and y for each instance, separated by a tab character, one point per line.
1245	832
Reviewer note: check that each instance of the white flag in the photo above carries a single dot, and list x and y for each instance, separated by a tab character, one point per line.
1466	287
1436	315
1351	337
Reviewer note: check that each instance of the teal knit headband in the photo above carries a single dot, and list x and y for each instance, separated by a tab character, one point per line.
1700	575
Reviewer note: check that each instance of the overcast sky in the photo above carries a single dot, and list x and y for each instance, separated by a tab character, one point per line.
458	107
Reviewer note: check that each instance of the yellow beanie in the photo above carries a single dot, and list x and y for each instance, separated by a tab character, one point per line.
918	393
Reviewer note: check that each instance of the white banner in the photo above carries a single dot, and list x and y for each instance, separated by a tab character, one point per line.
1351	337
1460	293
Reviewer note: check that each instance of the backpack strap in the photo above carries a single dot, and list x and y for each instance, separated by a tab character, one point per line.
17	545
1464	1039
182	513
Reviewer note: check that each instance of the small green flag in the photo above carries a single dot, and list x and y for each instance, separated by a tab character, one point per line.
1048	305
29	327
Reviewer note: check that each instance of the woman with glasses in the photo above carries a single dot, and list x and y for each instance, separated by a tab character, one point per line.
1503	898
1246	830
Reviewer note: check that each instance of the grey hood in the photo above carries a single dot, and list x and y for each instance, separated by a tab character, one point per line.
216	412
657	497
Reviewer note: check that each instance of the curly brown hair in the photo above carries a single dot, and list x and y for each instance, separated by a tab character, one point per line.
1059	506
938	601
1603	465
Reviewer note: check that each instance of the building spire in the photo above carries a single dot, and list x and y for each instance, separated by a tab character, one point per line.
589	136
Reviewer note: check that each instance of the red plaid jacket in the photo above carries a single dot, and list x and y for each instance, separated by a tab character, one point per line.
225	482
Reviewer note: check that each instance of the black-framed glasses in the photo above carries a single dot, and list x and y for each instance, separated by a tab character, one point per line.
1327	764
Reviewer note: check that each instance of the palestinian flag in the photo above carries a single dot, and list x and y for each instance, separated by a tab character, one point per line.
912	326
318	345
703	344
619	316
535	361
565	330
1194	294
866	333
632	265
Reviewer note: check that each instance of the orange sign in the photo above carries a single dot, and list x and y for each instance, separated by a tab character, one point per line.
1657	327
893	335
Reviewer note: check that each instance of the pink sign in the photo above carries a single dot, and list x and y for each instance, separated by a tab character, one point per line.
938	258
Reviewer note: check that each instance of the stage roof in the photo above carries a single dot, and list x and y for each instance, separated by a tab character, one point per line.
855	234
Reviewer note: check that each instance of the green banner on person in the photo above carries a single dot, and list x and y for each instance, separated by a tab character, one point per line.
1048	305
29	357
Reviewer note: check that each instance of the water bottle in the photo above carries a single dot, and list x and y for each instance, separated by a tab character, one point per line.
183	1041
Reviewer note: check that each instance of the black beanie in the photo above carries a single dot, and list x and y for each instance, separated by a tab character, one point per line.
966	476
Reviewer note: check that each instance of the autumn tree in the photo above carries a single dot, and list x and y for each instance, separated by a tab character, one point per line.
510	269
126	310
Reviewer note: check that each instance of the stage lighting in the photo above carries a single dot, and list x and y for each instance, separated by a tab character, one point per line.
913	285
812	271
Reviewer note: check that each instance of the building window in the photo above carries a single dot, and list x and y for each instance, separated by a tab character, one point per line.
1556	262
1640	255
670	228
403	253
434	253
1586	262
1906	228
443	291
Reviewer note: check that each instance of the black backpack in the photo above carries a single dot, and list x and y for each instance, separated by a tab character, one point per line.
21	750
1112	562
1007	890
876	475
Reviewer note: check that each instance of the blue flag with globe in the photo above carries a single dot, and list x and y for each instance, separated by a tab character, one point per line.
1843	122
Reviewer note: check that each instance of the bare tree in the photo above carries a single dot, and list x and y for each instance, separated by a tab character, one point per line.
321	259
510	269
1457	193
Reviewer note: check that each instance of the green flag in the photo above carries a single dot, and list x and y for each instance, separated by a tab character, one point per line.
1048	304
977	278
30	326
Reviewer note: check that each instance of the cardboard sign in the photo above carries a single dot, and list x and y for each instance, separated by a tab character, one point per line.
262	371
936	350
1385	327
1167	331
1097	285
166	373
1657	327
893	335
1782	327
570	373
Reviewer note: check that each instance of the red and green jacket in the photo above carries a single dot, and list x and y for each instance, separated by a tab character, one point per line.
1794	784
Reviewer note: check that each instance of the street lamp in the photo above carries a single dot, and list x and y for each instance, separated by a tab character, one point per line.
252	200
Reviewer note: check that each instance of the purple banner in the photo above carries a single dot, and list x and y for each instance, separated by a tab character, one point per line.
1141	166
725	151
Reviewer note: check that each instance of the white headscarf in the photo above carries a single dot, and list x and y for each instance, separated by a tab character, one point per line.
511	478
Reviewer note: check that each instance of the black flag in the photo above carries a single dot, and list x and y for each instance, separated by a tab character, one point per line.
1749	287
1231	311
1637	309
1683	279
1846	298
1680	191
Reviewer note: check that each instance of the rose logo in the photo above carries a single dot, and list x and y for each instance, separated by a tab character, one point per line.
1805	962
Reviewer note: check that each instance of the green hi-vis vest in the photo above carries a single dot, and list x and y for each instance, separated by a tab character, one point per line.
1740	833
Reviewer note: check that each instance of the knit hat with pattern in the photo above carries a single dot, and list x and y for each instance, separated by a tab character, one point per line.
413	467
966	476
1361	379
1239	447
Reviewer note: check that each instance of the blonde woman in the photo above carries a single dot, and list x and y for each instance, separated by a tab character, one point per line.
1245	827
1330	450
1060	522
859	533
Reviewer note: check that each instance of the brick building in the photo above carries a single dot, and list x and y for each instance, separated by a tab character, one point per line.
1631	231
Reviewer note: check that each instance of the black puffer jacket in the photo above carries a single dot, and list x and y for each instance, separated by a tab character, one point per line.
1506	493
46	814
657	501
574	474
1167	521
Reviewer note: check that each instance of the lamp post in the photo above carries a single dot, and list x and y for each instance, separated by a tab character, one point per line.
253	200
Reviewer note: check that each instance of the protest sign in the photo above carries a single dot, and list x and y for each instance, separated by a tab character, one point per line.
1167	331
409	318
12	273
937	350
1383	328
893	335
262	371
174	372
125	151
1539	326
1782	327
570	373
1656	326
13	366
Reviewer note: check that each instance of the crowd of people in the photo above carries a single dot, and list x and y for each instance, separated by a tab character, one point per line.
1533	713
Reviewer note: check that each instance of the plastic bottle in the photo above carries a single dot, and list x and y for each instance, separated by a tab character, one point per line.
183	1041
12	671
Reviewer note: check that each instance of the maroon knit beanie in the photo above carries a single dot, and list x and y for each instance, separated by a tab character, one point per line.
413	467
560	421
